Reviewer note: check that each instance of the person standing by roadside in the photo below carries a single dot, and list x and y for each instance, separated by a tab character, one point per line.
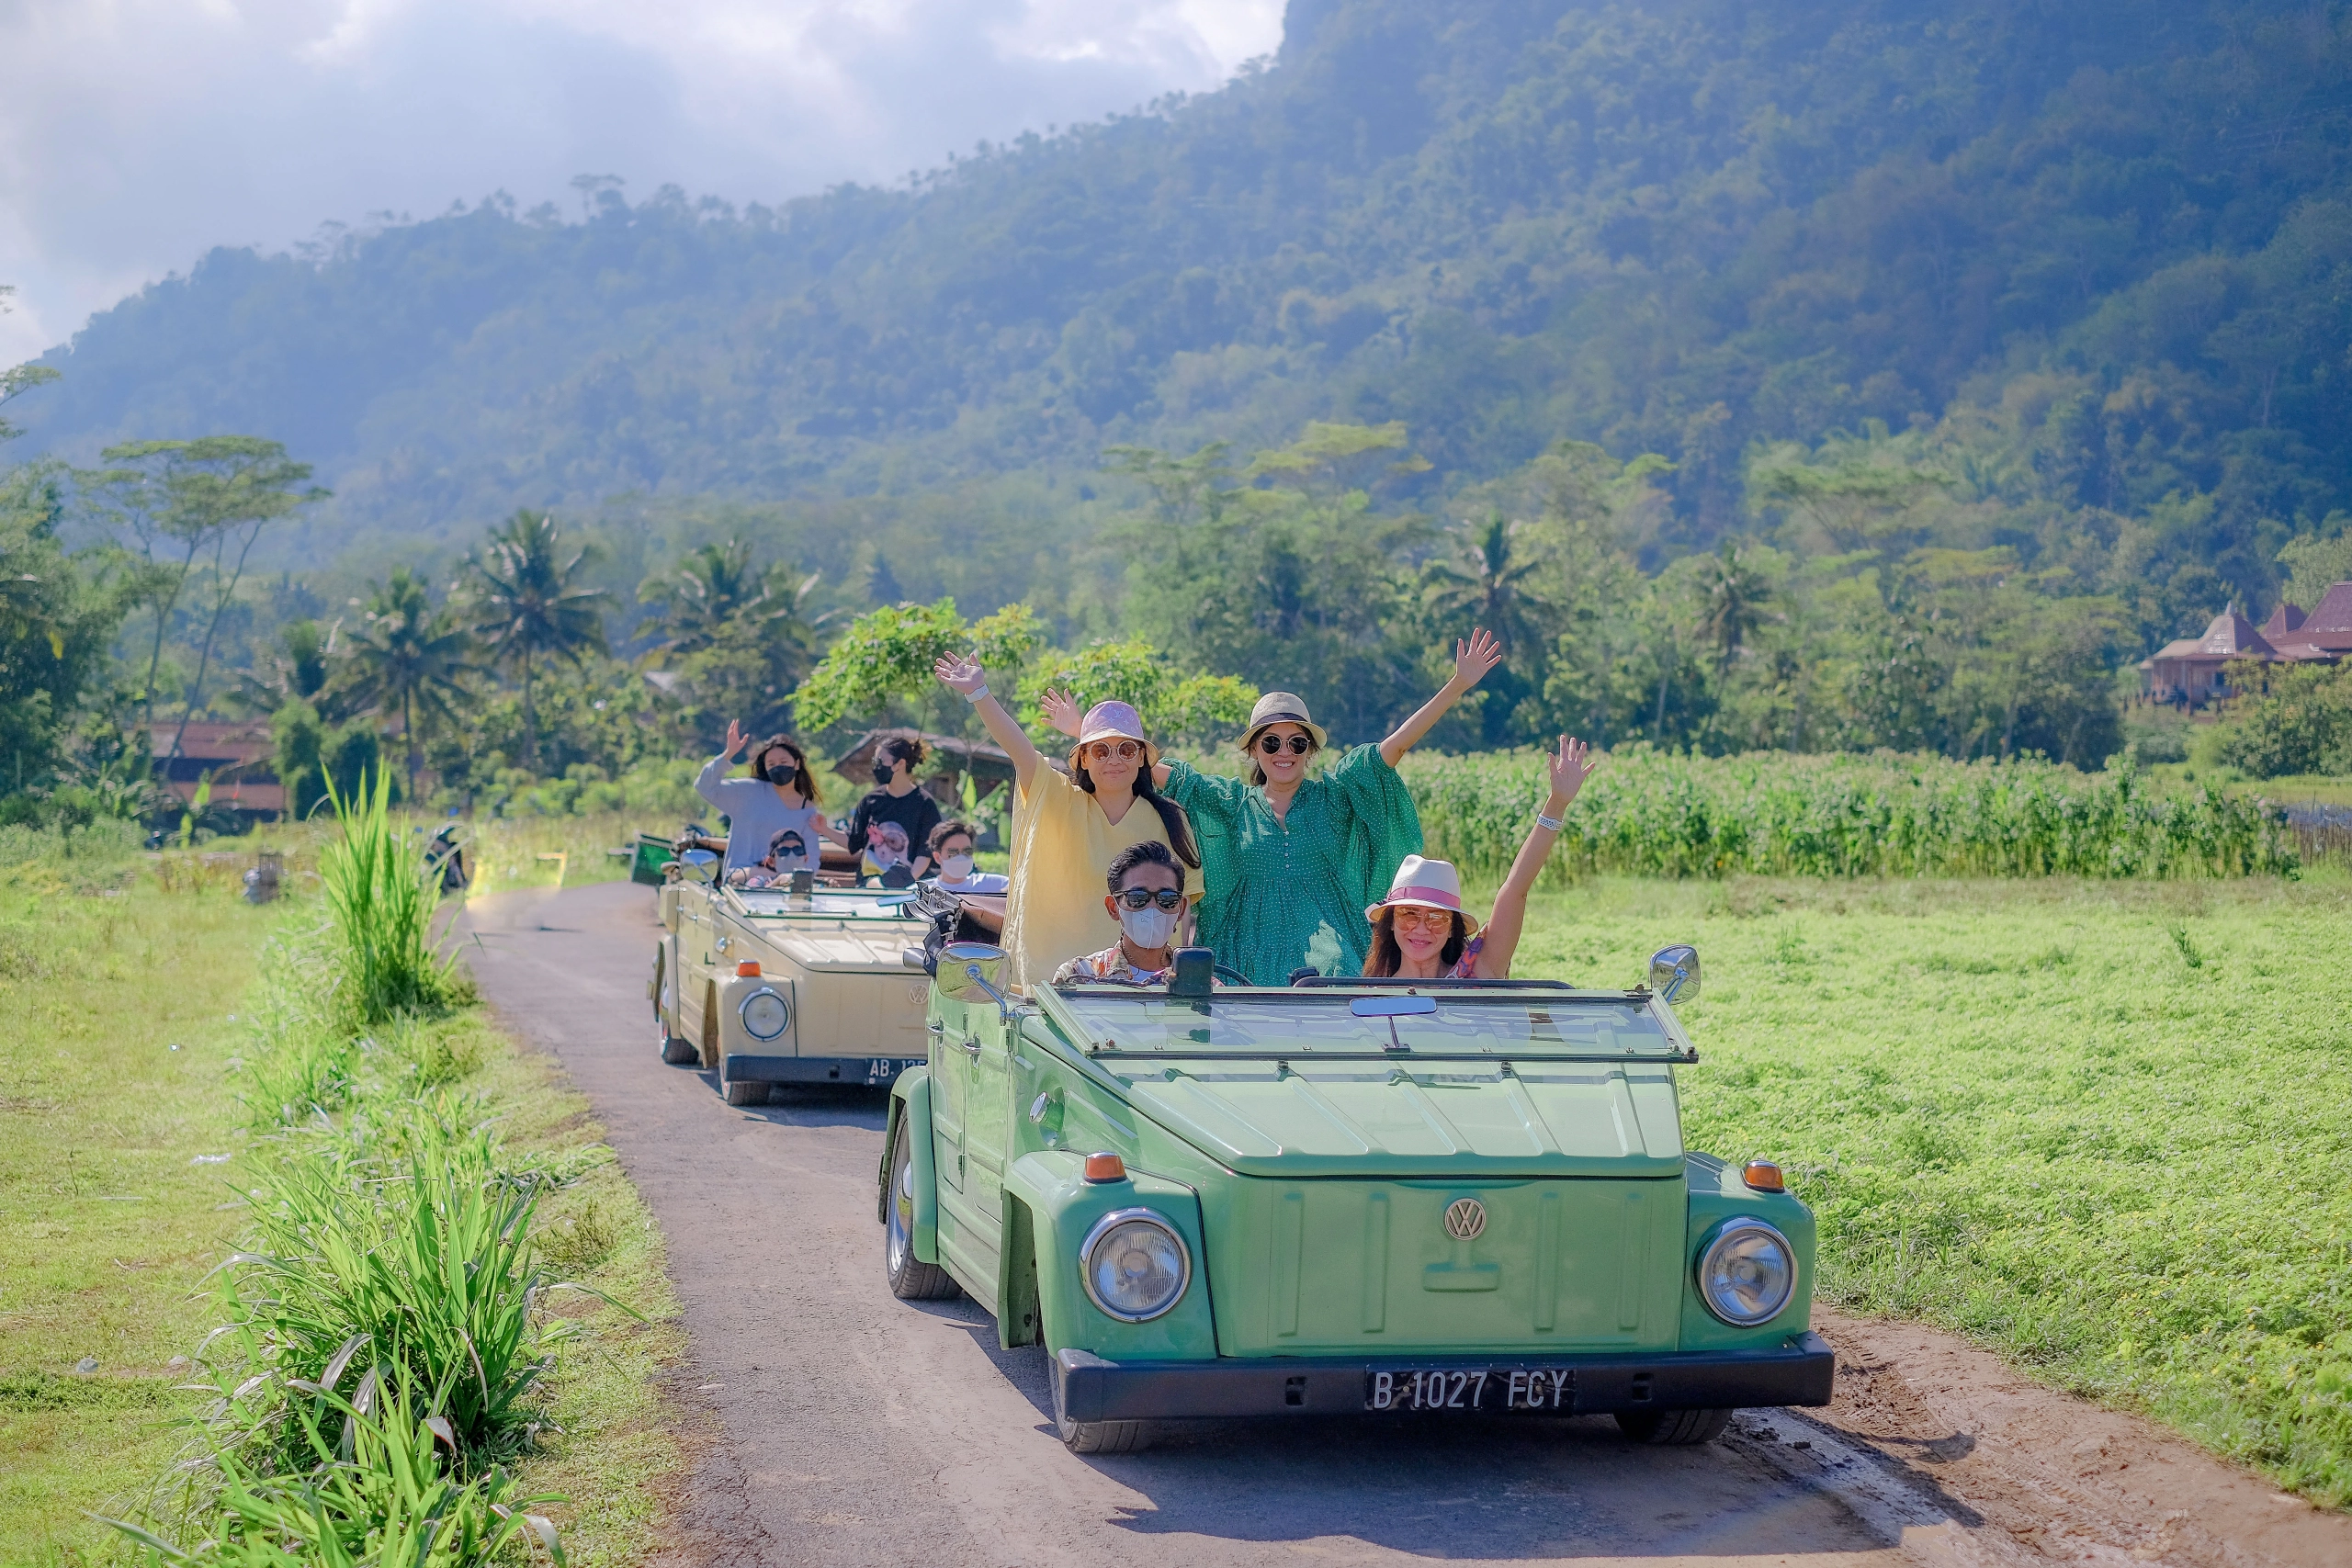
901	803
1067	831
780	795
1290	861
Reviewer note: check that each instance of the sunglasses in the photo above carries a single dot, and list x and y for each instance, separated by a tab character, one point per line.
1144	898
1103	751
1408	917
1272	745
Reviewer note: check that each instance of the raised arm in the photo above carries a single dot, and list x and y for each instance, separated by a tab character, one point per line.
1061	711
964	677
1472	660
707	782
1570	768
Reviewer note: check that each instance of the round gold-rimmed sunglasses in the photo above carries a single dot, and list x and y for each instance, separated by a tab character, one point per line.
1103	751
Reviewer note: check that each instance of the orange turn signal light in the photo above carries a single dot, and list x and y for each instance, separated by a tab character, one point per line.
1105	1168
1764	1176
749	969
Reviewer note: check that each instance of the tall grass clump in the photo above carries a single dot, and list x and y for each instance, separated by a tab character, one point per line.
382	889
1653	812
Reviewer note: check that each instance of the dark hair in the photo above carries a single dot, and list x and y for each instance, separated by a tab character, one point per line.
807	781
1250	746
1386	958
947	831
902	749
1173	819
1148	852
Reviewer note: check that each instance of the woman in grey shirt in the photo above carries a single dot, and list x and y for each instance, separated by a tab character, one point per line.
781	794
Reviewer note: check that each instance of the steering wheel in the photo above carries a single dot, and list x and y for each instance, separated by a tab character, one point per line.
1235	975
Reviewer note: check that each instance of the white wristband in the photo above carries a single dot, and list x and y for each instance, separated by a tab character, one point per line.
1549	824
974	695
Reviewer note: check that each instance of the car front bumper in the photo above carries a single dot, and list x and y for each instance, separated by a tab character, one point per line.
877	1071
1799	1372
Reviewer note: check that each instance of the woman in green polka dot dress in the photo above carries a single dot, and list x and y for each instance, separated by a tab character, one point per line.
1290	861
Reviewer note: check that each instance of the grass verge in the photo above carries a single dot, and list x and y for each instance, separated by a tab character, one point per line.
109	1224
2100	1126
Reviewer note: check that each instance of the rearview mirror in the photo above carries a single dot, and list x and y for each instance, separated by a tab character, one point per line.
1392	1007
1674	972
968	971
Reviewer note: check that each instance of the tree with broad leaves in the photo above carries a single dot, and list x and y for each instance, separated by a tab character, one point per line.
531	604
1735	598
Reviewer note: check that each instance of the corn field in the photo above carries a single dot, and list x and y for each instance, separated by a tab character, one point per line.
1656	814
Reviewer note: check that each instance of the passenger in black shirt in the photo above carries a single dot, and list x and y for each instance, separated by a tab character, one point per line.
899	802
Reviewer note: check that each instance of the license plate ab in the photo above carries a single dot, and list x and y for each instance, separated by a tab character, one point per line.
1492	1389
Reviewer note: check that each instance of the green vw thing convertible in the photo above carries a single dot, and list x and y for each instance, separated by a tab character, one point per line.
1360	1196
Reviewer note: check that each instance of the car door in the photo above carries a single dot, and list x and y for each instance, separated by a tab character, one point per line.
694	961
988	1121
951	1076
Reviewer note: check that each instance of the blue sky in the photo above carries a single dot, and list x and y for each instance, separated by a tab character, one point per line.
135	134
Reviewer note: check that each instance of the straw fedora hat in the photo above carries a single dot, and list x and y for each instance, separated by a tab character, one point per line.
1281	707
1424	885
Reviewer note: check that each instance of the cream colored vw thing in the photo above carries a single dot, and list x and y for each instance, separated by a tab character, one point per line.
766	987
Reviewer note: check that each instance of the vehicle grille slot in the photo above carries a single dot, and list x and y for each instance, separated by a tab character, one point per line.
1633	1261
1375	1263
1547	1262
1289	1234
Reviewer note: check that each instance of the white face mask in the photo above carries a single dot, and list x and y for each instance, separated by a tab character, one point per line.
955	868
1148	927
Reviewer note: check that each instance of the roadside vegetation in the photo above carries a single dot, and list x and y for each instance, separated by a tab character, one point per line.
2100	1126
405	1285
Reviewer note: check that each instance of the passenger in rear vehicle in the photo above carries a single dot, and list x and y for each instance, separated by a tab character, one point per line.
951	851
1147	898
781	794
1420	929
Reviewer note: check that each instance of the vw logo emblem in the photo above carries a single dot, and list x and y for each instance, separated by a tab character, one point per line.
1464	1219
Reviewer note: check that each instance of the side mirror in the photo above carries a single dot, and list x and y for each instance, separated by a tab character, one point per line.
700	865
1674	972
968	971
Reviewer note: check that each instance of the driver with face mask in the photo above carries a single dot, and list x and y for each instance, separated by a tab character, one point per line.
1147	899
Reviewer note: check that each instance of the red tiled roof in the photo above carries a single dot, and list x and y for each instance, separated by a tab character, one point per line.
2286	618
2230	636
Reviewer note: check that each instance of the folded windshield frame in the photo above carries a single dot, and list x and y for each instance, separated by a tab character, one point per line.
1115	1023
831	904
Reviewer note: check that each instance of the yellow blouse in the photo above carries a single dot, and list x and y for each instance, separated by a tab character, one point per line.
1062	850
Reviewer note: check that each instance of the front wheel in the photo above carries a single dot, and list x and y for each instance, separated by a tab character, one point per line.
1098	1436
744	1092
1673	1429
911	1280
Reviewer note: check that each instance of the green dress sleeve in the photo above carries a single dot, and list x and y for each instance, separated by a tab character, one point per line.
1211	800
1377	823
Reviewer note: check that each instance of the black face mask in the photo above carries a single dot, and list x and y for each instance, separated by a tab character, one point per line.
884	772
782	775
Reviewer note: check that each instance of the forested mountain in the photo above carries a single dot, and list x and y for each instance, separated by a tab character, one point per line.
2096	255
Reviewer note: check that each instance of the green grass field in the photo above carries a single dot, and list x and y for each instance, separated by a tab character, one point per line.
2102	1127
115	1201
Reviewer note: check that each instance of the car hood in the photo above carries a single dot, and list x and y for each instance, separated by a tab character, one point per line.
861	947
1563	1119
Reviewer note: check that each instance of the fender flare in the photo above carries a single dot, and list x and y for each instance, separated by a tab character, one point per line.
910	1106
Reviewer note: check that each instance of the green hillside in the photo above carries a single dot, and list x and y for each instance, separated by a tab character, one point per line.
2110	242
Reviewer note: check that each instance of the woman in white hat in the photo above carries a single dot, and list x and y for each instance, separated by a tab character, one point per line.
1421	929
1066	831
1290	861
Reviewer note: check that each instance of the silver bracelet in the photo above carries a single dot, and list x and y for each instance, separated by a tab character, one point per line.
975	696
1549	824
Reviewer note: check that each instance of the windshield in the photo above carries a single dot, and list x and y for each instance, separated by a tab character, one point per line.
1323	1023
834	906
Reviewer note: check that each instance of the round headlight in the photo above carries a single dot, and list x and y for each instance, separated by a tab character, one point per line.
1134	1265
764	1014
1747	1273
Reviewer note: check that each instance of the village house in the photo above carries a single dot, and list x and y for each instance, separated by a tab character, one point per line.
2193	671
235	756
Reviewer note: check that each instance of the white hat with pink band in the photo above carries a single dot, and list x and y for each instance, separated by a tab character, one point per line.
1423	884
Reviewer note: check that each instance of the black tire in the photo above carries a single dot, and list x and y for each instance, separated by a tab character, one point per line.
911	1280
1098	1436
1673	1429
744	1092
677	1052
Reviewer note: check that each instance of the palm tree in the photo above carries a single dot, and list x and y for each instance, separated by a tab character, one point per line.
1483	584
713	585
407	655
532	605
1733	599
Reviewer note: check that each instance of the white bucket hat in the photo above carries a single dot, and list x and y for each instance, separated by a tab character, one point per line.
1424	885
1281	707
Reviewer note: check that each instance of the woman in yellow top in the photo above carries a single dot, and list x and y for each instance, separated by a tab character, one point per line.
1066	831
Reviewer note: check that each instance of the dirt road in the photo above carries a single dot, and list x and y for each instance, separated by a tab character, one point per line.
850	1427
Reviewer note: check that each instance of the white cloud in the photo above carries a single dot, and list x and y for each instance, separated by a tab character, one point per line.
134	134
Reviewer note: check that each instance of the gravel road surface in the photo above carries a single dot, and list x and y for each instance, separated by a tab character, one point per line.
846	1427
